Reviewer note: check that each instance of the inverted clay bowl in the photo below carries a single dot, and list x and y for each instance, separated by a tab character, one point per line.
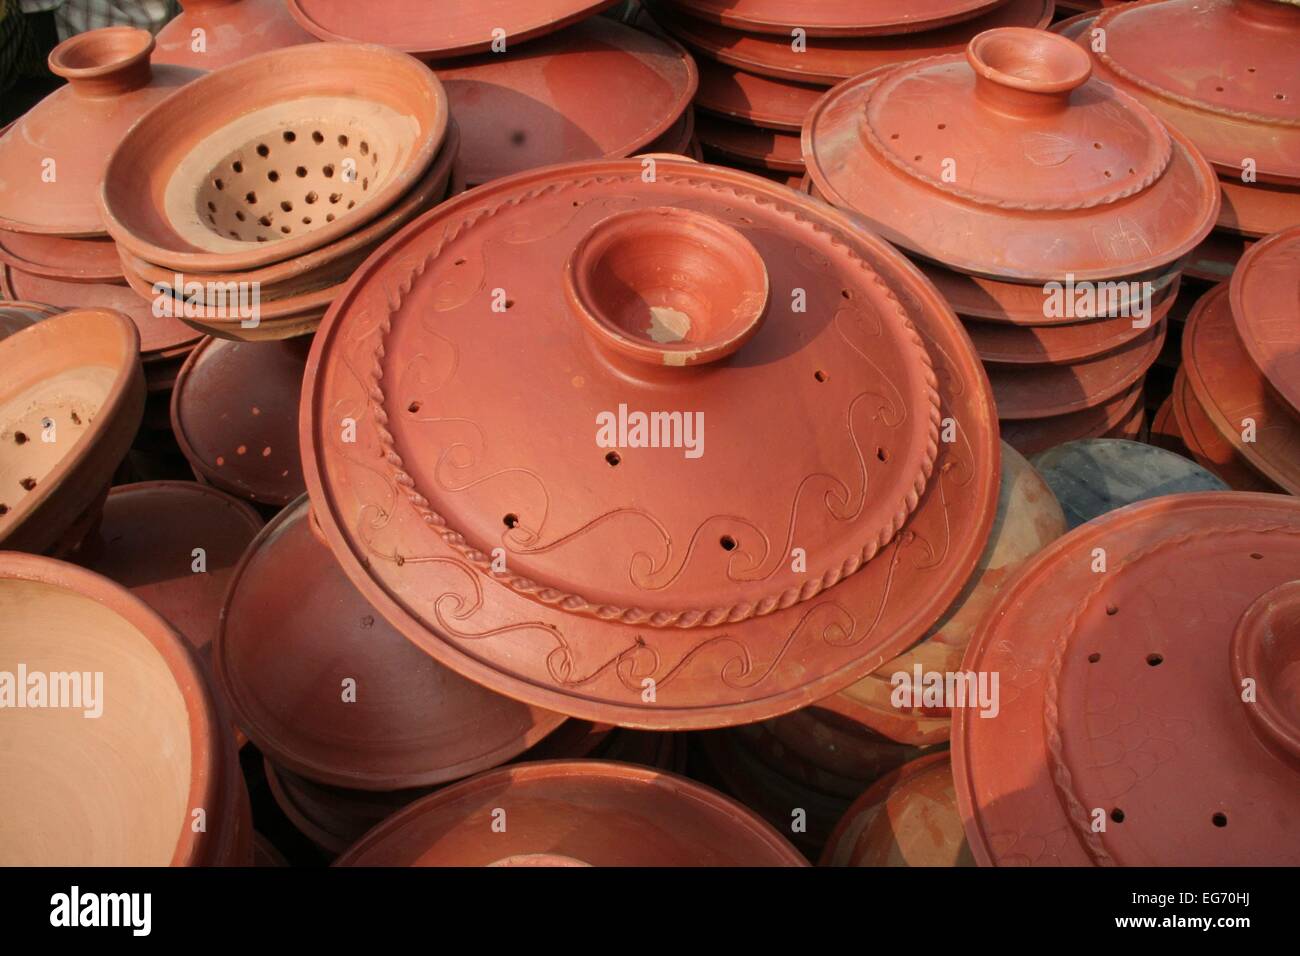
288	653
231	30
52	160
269	169
174	545
581	257
1012	162
120	788
909	818
71	399
562	813
234	412
835	17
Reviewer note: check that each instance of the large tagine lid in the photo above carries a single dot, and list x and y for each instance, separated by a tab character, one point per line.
1223	72
718	405
1148	693
1012	162
834	17
52	159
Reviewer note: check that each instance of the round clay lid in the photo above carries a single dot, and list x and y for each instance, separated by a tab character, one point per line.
327	688
234	411
231	29
1029	436
734	94
1011	162
1265	298
597	90
637	555
833	17
52	159
174	545
566	813
1222	72
1124	737
437	30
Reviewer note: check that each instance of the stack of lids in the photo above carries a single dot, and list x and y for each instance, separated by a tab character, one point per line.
764	64
1223	73
245	220
533	83
54	246
1237	395
1050	209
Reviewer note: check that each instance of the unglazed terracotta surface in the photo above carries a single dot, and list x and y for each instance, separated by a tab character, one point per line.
833	17
54	257
1029	436
71	399
16	316
231	30
750	145
1265	651
1265	302
672	588
1012	162
593	812
1118	695
1209	448
736	95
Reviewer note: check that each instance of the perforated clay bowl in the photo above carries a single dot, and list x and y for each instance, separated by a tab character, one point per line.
273	157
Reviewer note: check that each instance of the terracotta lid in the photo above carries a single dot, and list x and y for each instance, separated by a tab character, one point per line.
19	315
750	145
908	818
1119	702
118	788
1209	448
1229	388
415	26
147	541
1257	209
853	18
229	30
1045	391
596	90
235	415
743	97
601	573
1242	102
1028	518
1215	259
584	812
71	399
285	655
1095	476
52	159
1011	162
1029	436
828	60
1265	302
54	257
264	171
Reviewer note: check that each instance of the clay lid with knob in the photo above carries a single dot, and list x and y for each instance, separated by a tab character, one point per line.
52	159
231	30
1012	162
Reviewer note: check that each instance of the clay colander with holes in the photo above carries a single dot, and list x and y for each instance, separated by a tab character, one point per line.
273	157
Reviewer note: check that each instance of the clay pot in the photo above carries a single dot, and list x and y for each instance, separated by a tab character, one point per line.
110	85
231	31
266	172
71	398
474	490
589	812
1029	436
596	90
1091	665
121	788
15	316
67	260
146	542
995	150
414	27
827	61
749	145
833	18
331	692
1029	517
909	818
1264	306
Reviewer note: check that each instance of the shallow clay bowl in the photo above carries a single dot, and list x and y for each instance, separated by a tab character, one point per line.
282	153
55	257
567	813
71	398
119	789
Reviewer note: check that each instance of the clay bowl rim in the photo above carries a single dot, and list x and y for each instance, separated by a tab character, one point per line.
1276	730
129	379
189	100
206	751
135	47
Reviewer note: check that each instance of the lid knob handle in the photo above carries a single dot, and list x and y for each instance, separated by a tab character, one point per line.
667	287
1023	72
107	62
1265	658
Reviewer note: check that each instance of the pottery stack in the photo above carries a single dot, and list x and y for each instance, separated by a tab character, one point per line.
1050	209
764	64
246	223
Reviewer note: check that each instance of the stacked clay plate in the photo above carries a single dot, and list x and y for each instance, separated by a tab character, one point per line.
1051	210
247	224
764	64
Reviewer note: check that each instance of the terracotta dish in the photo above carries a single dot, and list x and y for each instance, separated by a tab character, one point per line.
1208	447
834	17
54	257
1265	299
230	30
